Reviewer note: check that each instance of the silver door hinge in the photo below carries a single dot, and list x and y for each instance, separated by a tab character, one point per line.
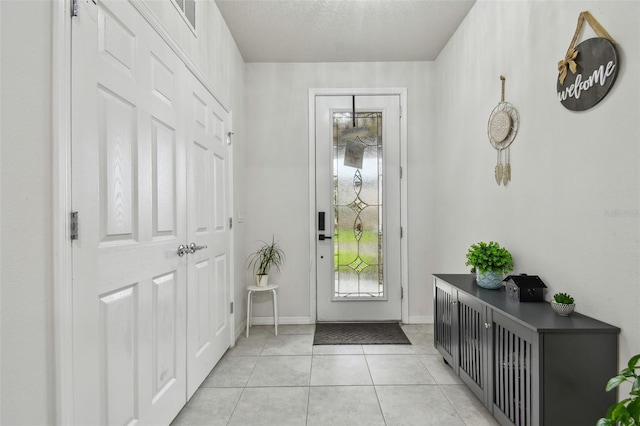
231	309
400	172
230	223
401	292
401	232
401	111
74	8
73	225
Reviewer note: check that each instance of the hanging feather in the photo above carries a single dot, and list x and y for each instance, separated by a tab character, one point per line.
507	168
499	169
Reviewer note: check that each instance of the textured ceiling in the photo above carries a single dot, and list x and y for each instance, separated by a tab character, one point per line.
342	30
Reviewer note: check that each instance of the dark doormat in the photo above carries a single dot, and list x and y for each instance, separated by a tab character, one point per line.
386	333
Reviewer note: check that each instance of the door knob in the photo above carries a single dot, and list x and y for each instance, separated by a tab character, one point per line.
182	250
194	248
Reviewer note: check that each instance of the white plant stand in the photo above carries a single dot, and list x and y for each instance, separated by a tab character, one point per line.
273	288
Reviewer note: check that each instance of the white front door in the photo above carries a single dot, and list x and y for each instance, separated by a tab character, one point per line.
128	185
358	208
209	331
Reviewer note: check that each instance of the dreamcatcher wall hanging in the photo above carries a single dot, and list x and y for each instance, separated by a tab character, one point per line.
502	130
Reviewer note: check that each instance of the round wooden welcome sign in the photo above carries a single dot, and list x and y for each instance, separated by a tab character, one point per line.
596	70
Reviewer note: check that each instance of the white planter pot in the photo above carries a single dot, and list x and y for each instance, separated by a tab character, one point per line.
562	309
262	280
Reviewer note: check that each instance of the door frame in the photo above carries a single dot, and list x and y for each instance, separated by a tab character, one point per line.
404	266
61	248
62	261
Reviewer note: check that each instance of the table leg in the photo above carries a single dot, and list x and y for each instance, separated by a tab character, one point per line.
248	311
275	309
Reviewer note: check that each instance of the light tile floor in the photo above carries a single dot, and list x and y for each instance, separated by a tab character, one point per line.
285	380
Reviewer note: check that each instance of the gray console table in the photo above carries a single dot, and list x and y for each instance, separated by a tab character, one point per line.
528	365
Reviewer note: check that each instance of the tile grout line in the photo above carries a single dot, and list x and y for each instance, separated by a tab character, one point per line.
244	388
426	367
306	420
235	407
452	403
366	360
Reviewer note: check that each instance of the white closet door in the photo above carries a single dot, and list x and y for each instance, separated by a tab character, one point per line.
129	285
209	332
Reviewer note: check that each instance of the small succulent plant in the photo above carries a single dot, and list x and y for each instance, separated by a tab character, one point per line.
563	298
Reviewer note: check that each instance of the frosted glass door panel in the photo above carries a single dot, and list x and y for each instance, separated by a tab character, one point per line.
357	194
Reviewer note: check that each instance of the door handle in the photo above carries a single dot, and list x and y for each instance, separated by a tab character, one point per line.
182	250
194	248
323	237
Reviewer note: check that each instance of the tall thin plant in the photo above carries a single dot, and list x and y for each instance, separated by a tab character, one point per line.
269	255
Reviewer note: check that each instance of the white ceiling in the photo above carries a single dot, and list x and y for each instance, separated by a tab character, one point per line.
342	30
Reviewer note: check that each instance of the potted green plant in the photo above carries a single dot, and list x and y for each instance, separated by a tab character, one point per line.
627	411
491	262
268	255
563	304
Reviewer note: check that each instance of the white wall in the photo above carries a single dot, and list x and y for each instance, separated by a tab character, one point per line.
27	376
277	197
27	316
571	212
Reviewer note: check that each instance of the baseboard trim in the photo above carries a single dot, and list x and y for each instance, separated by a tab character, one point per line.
427	319
281	320
240	331
269	321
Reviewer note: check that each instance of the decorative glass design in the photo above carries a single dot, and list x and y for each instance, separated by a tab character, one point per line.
188	10
357	200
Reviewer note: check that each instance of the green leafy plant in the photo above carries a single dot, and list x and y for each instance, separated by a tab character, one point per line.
563	298
489	257
627	411
269	255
